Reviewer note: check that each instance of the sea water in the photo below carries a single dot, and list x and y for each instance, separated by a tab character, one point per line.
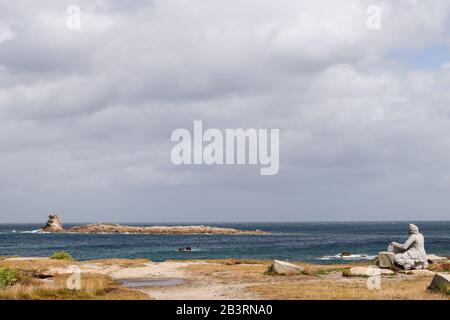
318	242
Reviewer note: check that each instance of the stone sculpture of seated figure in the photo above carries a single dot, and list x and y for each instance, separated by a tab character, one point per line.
411	254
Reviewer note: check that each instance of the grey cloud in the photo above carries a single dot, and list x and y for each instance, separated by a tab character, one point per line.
85	118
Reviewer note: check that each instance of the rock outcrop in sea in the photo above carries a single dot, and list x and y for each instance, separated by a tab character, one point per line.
55	224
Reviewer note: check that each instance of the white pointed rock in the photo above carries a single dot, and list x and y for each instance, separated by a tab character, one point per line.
54	224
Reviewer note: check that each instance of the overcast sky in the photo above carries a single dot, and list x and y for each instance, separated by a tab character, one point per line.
86	115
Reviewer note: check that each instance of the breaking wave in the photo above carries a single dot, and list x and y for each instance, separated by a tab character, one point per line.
31	231
348	257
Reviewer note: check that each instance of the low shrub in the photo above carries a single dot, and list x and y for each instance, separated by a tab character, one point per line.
61	255
8	276
348	274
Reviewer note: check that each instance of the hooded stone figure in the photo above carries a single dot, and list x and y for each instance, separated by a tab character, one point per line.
411	254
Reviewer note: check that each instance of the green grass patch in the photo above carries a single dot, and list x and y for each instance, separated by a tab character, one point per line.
323	272
346	273
8	276
61	255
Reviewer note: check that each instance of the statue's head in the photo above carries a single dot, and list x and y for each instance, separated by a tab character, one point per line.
413	229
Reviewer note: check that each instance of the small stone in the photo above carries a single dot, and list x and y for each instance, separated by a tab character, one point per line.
386	259
285	268
441	283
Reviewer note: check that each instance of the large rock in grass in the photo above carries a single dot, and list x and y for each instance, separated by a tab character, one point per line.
386	259
441	283
285	268
54	224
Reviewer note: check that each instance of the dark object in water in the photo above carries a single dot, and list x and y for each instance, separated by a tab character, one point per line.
185	249
345	254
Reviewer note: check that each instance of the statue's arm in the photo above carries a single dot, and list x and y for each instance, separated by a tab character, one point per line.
405	246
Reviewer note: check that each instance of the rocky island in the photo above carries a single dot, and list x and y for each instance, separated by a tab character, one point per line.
55	225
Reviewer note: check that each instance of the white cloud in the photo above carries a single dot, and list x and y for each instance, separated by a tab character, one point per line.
6	33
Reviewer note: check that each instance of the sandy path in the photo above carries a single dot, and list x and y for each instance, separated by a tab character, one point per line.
196	287
201	291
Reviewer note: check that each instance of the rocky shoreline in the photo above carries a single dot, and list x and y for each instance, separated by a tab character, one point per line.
55	225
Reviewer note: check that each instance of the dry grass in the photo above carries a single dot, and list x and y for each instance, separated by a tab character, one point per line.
255	269
31	286
122	263
354	289
440	267
55	263
34	264
318	282
228	273
231	262
93	287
